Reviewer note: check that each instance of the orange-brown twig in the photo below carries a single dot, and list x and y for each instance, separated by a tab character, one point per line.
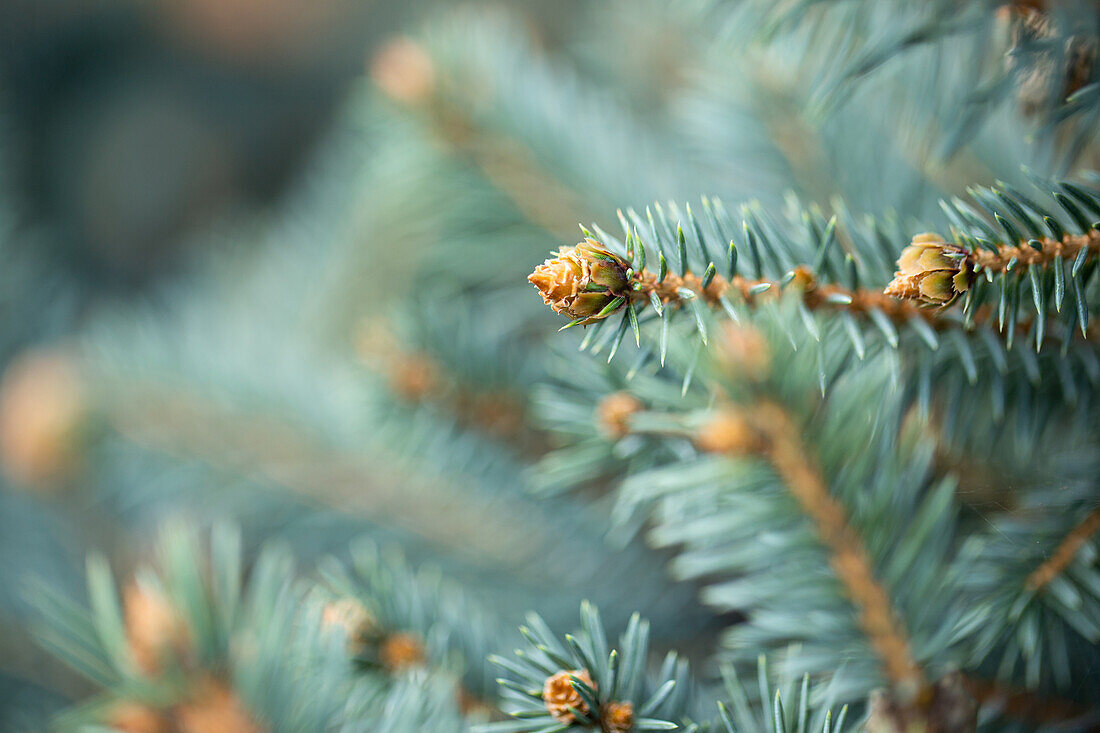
816	295
1049	250
779	438
1064	553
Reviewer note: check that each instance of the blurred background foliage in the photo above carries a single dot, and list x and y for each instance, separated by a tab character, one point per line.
263	261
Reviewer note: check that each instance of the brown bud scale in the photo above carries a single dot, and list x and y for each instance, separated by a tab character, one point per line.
582	281
617	717
614	411
401	651
559	694
931	271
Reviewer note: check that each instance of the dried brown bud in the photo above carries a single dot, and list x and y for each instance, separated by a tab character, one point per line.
214	708
614	411
42	409
351	618
414	376
744	351
617	717
931	271
132	717
803	278
727	431
404	71
582	280
559	694
400	651
153	628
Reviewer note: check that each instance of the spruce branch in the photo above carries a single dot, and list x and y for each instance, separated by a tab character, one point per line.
644	289
698	506
200	644
591	407
775	705
1039	252
862	302
193	643
1029	588
394	618
776	458
771	431
586	684
835	270
829	260
801	280
440	489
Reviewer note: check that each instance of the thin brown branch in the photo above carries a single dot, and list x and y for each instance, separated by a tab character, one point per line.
1049	250
779	438
1064	553
817	296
